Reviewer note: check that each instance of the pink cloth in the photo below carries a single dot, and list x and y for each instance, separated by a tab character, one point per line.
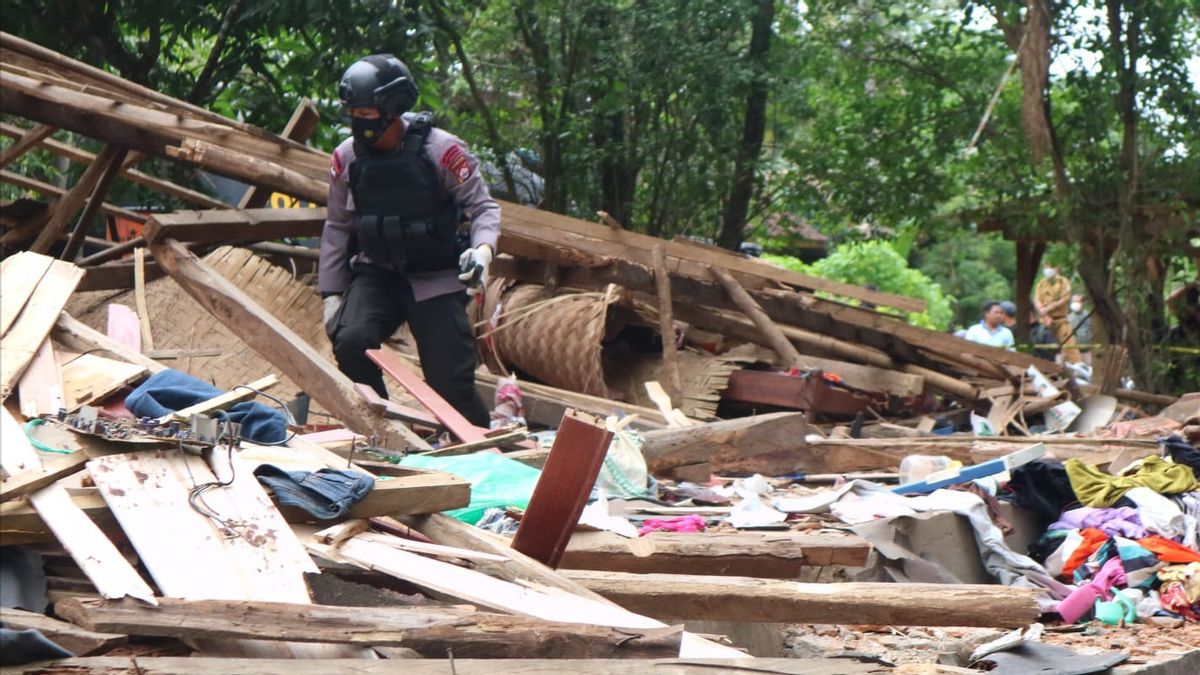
690	523
1083	599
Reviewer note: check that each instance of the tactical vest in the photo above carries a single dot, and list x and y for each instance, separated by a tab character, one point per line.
404	216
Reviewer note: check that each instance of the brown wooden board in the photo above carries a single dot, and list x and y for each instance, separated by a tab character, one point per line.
563	488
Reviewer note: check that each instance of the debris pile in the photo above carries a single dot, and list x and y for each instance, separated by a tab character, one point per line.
188	474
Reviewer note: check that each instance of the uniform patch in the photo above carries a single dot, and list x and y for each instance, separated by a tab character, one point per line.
455	161
335	166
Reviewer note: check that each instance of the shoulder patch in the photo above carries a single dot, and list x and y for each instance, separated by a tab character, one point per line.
335	164
455	161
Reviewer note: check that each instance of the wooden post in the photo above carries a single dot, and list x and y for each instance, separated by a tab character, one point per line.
279	345
666	326
139	294
563	488
779	342
109	172
70	202
25	143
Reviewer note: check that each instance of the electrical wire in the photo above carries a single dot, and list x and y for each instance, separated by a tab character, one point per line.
287	416
29	427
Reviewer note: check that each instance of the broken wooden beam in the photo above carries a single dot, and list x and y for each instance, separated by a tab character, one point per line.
680	596
82	338
231	226
70	203
546	405
58	193
110	166
775	337
763	444
778	555
666	327
279	345
429	630
30	315
117	276
26	141
74	639
34	479
563	488
300	126
455	423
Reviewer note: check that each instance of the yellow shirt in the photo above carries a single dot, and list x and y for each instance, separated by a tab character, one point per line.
1050	290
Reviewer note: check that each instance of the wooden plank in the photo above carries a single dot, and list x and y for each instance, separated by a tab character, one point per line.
430	631
157	184
68	636
26	142
41	386
55	192
280	346
503	596
90	378
681	596
20	274
761	387
69	204
103	564
36	478
778	555
68	328
300	127
562	490
23	339
790	357
145	665
229	544
232	162
108	171
666	326
395	410
139	294
450	418
117	276
764	444
123	326
223	401
231	226
489	442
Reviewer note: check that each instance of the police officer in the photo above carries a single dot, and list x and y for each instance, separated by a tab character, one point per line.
391	250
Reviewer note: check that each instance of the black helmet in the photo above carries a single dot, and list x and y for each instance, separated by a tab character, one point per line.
378	81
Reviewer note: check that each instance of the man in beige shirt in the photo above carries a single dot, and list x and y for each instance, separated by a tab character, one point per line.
1051	297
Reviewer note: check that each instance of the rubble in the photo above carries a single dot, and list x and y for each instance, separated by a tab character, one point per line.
156	538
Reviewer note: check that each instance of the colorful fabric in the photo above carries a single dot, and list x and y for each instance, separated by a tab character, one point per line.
1139	564
689	523
1091	540
1096	488
1173	597
1081	601
1123	521
1169	551
1188	575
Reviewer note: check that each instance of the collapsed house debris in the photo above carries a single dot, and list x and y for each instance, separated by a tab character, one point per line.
188	474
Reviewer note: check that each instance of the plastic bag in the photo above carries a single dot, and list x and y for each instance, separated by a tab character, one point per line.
496	481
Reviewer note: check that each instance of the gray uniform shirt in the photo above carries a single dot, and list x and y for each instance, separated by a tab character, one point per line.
459	173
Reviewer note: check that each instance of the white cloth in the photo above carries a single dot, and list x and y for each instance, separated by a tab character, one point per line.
1163	516
1001	337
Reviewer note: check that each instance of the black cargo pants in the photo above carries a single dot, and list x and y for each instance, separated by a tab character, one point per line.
376	304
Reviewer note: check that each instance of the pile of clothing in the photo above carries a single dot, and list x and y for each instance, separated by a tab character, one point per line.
1130	539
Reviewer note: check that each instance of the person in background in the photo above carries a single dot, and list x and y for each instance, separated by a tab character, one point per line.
991	330
1010	314
1051	297
1045	346
1081	325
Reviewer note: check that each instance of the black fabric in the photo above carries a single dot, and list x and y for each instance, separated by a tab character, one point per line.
1182	452
376	304
1042	487
400	206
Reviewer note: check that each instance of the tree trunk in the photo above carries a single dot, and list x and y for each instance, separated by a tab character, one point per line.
733	221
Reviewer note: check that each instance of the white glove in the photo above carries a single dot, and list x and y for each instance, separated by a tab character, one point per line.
330	306
473	267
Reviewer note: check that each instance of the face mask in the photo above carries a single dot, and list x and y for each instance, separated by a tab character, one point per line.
367	131
1048	272
1076	306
